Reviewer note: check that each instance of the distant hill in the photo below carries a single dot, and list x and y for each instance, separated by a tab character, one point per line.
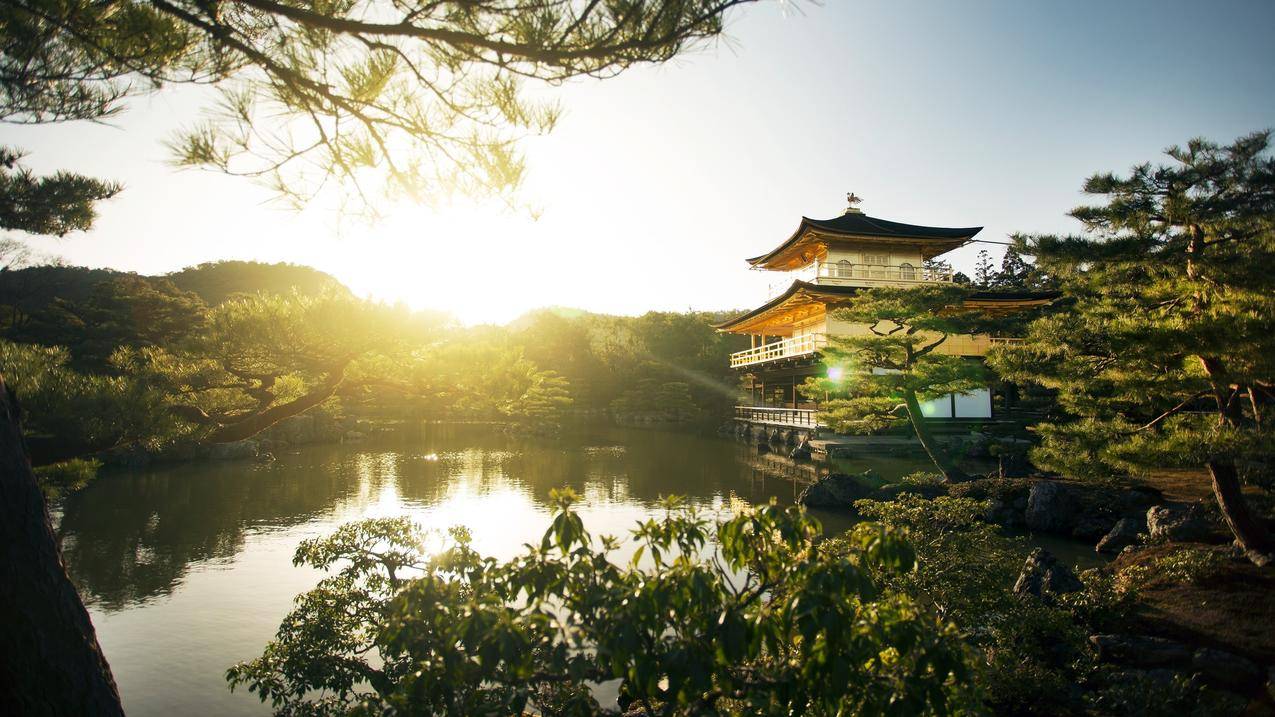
215	282
529	318
33	288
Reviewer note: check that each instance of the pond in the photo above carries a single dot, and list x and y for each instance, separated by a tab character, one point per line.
187	569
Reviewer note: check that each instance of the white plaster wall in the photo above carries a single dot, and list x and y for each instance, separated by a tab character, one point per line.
854	253
940	407
976	404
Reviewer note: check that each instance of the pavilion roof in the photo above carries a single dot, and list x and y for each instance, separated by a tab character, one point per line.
855	225
804	298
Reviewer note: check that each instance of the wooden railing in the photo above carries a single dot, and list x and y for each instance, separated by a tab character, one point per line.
796	417
878	272
788	348
838	273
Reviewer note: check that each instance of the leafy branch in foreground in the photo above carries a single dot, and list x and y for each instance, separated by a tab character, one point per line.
416	97
56	205
743	616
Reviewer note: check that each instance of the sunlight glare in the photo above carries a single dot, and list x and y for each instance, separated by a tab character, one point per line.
482	263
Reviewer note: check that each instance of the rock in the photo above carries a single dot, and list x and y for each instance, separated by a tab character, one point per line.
802	451
354	436
1176	524
238	450
1006	498
1225	669
1270	681
838	490
1158	676
1140	650
1051	508
892	491
1043	575
1092	525
1124	534
976	445
1013	465
132	457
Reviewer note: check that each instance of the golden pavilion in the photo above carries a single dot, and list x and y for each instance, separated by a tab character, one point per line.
824	263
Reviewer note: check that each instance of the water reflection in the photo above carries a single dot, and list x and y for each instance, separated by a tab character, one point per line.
131	537
187	569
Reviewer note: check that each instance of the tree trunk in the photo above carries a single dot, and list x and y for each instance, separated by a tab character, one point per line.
259	422
50	662
1249	531
951	472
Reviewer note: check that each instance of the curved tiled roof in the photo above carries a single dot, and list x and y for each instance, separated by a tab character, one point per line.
826	291
855	224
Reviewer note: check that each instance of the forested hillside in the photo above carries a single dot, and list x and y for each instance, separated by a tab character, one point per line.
110	361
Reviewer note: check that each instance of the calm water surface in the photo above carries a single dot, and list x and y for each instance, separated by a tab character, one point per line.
188	569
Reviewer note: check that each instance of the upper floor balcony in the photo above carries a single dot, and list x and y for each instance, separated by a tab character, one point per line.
810	344
847	273
788	348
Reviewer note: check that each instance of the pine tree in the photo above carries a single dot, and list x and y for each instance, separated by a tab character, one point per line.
1168	357
984	274
55	205
1016	273
545	401
880	376
381	98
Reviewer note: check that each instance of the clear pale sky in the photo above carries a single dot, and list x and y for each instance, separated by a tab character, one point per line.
658	183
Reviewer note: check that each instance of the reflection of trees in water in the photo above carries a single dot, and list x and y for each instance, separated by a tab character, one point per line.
605	463
132	537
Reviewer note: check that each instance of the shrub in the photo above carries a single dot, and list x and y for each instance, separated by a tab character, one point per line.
746	616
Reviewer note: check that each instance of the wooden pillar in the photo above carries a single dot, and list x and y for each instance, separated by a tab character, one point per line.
794	390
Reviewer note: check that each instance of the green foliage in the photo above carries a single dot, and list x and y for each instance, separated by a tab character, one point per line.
896	361
1131	694
57	204
948	533
1018	274
72	414
1032	655
1186	564
126	311
1015	273
545	400
1166	353
895	357
649	399
218	281
58	479
383	99
747	616
264	358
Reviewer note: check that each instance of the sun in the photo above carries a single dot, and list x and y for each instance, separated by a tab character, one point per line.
482	263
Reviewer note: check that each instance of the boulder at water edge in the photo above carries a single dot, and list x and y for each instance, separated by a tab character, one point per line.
1051	508
1124	533
1177	524
838	490
1043	575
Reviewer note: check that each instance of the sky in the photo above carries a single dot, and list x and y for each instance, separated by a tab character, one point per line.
658	183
